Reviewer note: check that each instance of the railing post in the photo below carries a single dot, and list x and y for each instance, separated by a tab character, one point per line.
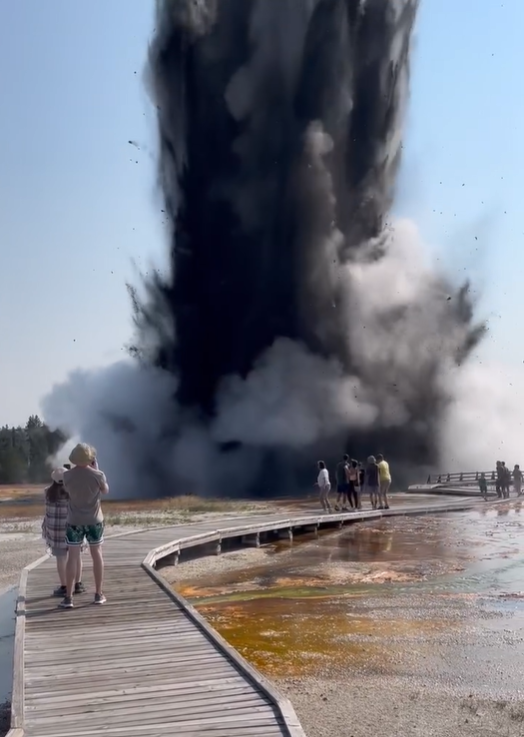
252	540
286	532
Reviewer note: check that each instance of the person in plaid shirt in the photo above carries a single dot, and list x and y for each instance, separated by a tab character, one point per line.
54	530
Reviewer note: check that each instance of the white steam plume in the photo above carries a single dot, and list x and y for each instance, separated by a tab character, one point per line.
295	399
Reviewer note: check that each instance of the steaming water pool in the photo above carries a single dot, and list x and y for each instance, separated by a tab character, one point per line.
371	595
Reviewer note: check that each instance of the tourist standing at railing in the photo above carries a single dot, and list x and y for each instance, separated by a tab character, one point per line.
343	500
384	480
354	485
372	481
499	484
506	480
517	480
361	476
483	486
324	486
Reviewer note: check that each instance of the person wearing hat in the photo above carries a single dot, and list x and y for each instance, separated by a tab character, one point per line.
85	484
54	531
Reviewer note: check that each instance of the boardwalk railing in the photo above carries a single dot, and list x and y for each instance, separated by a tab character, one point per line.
467	478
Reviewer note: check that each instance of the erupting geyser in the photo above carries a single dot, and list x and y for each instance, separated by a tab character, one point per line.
280	142
295	321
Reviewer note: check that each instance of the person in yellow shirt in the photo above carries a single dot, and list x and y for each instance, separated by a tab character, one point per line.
385	481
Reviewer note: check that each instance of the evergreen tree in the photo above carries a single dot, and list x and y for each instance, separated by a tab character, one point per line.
25	452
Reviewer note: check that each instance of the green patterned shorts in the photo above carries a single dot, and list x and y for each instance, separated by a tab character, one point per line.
76	534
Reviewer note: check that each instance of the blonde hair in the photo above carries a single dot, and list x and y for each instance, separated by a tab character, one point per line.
82	455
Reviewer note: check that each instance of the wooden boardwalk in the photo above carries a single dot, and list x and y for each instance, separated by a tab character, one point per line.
146	664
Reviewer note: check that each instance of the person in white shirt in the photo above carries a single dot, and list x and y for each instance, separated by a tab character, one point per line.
324	486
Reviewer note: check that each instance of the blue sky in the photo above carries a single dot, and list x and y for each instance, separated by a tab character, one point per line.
78	204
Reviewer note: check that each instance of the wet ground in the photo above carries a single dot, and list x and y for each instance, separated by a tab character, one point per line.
7	633
7	636
438	599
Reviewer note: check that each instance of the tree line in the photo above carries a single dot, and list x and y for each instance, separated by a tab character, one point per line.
25	452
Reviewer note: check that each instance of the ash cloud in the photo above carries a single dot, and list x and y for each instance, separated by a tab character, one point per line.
295	320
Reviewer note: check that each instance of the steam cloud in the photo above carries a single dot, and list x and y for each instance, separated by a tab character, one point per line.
296	321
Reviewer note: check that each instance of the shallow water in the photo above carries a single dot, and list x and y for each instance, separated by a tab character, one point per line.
7	636
367	596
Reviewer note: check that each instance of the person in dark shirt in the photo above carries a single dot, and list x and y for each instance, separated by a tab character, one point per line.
517	480
506	480
361	474
483	486
342	484
372	481
354	485
500	481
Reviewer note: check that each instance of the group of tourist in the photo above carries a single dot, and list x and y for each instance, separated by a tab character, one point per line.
353	480
504	480
73	518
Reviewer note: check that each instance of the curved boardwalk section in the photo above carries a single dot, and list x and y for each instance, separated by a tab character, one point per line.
146	664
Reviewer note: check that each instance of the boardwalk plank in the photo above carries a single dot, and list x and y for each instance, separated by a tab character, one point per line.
196	703
177	725
174	729
137	693
90	671
130	678
76	653
148	712
162	729
167	628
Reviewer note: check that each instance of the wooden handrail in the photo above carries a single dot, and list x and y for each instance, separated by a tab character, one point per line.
461	477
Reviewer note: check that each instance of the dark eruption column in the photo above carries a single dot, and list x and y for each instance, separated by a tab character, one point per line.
230	174
279	145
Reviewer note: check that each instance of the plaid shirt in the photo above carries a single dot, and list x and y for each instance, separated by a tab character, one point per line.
54	524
